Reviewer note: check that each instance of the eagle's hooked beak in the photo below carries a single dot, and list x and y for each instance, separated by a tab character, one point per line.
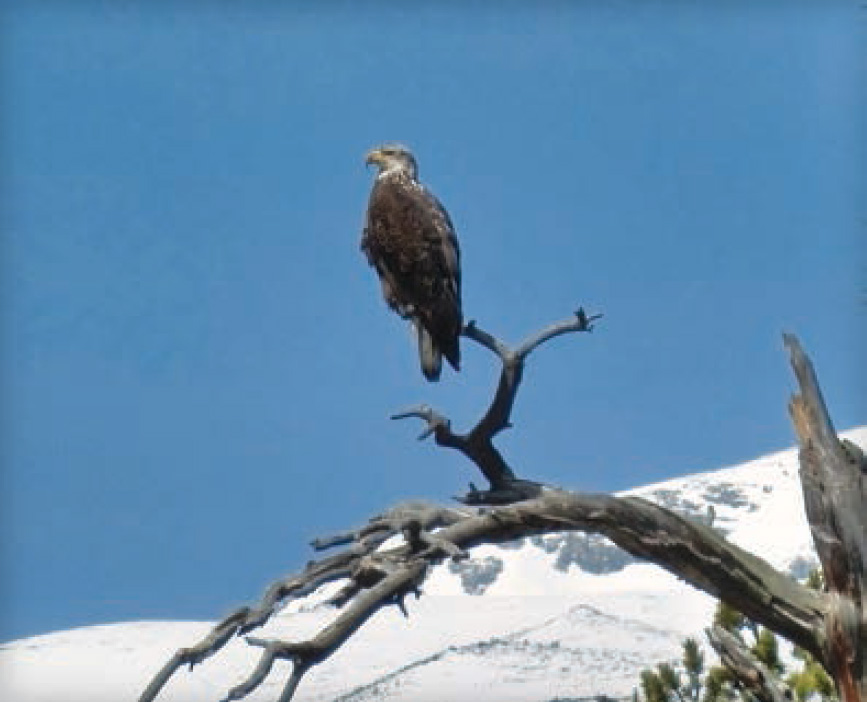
373	157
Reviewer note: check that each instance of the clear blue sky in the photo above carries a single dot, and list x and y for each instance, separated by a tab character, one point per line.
197	367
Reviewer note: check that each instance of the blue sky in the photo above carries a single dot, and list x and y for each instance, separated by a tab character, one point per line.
197	367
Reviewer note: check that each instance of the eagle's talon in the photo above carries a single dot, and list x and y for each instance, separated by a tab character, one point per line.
427	432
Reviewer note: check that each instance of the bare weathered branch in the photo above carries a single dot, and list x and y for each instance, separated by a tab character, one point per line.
208	646
748	670
579	322
497	417
413	516
260	672
306	654
472	331
340	566
437	424
688	549
477	444
834	480
273	650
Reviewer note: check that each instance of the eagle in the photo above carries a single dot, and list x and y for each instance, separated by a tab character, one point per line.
410	241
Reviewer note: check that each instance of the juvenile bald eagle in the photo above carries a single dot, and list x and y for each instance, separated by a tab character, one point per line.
409	240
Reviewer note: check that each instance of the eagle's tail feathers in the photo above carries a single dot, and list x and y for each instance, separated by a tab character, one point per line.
429	354
452	352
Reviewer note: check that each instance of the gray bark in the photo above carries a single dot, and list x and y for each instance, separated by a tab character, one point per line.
750	673
834	480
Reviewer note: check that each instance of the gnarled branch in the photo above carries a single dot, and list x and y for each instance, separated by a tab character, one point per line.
340	566
688	549
377	577
477	444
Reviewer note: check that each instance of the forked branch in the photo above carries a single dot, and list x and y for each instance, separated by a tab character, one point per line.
345	565
478	444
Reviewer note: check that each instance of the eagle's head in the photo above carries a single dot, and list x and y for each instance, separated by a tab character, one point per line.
390	158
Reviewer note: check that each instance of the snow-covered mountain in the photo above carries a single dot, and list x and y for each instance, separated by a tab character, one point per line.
558	617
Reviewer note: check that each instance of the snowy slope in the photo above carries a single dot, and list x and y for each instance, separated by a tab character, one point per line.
561	616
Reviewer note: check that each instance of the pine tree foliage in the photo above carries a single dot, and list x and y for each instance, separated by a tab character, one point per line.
670	680
718	685
811	681
729	618
766	649
693	665
652	688
690	680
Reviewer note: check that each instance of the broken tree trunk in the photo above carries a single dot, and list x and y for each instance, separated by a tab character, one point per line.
834	480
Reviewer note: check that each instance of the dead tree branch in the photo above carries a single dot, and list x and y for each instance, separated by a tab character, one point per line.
340	566
689	549
834	480
477	444
375	577
748	670
391	589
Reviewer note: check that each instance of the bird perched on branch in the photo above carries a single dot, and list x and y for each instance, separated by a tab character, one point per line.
410	241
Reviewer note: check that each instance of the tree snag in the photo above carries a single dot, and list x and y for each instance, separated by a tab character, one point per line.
828	625
834	480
